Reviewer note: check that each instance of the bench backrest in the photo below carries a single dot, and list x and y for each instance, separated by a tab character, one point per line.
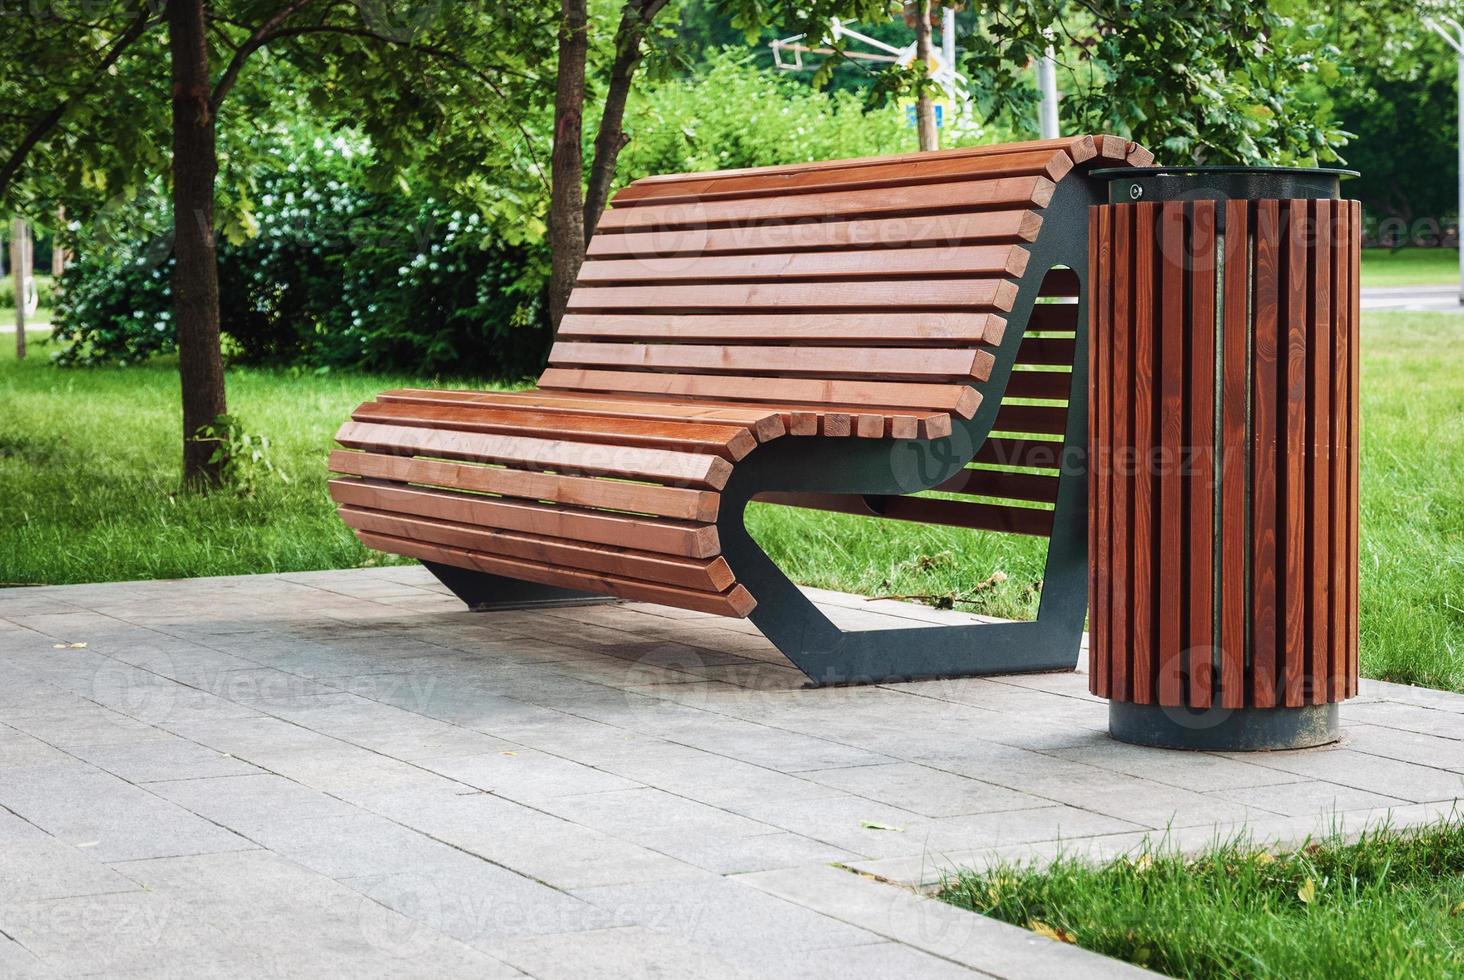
879	282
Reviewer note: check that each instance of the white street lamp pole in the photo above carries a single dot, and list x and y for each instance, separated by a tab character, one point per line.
1455	40
1047	85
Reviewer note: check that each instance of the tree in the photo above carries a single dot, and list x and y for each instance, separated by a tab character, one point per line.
924	107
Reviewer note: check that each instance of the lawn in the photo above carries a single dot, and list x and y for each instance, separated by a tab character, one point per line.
1389	906
89	473
1410	266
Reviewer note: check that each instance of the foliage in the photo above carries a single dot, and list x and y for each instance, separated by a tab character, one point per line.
245	456
732	113
1389	905
1212	82
320	272
1402	107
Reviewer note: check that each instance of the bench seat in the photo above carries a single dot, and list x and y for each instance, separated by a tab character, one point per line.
727	334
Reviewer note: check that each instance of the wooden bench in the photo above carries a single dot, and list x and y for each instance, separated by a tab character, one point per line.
838	335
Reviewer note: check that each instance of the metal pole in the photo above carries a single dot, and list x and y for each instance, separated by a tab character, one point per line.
1047	85
1456	41
1459	221
948	40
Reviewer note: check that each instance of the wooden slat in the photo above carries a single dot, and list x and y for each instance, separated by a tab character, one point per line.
707	575
882	235
1338	439
1052	318
969	514
1123	300
1051	385
862	296
1045	419
576	458
1354	373
1293	503
926	263
1142	485
686	539
1234	537
796	419
912	364
924	510
763	423
1033	453
1047	350
1170	336
903	427
1080	148
806	329
1265	429
959	399
1100	443
869	426
1003	193
836	424
735	602
1319	350
731	442
1053	165
1035	487
573	491
1200	481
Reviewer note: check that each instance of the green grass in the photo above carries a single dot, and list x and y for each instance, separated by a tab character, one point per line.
1410	266
1390	905
90	465
89	477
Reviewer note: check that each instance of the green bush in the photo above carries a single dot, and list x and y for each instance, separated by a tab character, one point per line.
328	274
738	114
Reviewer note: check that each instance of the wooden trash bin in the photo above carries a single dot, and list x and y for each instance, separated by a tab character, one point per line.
1223	455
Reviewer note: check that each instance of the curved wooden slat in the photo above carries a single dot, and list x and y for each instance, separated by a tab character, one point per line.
763	423
838	362
960	399
684	538
1003	193
708	575
1048	162
734	602
967	260
864	296
651	465
728	441
868	330
573	491
872	234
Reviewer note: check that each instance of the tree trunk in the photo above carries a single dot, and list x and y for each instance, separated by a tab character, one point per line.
924	107
567	165
611	138
19	240
196	272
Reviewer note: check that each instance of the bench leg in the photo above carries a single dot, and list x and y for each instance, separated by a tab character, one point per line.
830	655
483	591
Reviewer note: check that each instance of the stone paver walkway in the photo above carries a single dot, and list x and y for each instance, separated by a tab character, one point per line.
345	773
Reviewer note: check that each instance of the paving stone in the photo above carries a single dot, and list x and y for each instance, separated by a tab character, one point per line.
624	953
983	944
35	866
1303	798
1370	773
115	819
740	924
526	774
384	784
923	790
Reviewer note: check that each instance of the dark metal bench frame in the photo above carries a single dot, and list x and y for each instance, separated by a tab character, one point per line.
877	467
